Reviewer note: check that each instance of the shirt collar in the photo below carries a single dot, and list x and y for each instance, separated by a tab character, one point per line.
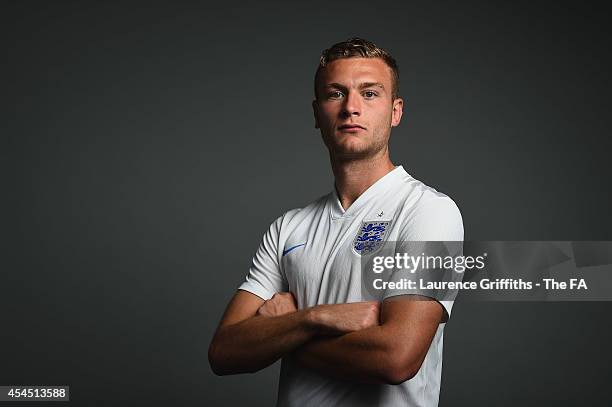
383	183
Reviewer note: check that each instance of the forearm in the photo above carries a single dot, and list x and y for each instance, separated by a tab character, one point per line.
259	341
246	342
364	356
391	352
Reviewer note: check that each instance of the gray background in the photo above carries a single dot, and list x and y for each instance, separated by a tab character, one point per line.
145	150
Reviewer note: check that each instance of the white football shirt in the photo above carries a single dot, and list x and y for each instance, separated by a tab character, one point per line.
315	254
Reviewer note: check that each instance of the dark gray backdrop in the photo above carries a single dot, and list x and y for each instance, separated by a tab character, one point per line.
146	150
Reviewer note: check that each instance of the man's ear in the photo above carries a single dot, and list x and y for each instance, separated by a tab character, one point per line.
315	111
398	110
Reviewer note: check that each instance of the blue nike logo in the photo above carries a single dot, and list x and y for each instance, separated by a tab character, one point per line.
291	248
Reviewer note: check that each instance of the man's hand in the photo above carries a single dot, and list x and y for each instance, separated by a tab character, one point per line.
331	319
337	319
279	304
390	353
254	333
246	342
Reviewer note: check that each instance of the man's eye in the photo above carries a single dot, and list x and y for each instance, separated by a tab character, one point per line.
369	93
335	94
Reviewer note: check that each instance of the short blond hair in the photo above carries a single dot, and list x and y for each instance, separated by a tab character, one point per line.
358	48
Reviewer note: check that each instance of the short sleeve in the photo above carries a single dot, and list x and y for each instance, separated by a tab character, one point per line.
265	278
435	219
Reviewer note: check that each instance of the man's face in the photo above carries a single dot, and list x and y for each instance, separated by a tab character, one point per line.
355	109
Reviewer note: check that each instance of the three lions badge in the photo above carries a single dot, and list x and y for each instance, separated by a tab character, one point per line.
370	236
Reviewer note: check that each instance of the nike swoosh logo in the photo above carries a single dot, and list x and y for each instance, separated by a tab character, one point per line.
291	248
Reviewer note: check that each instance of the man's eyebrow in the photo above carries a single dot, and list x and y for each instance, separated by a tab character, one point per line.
371	84
361	86
336	86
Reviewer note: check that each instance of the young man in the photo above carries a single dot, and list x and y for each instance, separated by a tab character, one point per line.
302	301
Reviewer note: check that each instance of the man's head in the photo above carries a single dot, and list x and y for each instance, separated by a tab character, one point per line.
357	48
356	99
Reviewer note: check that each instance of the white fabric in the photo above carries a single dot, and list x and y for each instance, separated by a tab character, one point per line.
321	266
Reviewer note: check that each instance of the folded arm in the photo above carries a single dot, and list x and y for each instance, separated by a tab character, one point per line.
390	353
254	333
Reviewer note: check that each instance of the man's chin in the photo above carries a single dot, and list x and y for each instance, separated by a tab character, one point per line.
350	147
351	152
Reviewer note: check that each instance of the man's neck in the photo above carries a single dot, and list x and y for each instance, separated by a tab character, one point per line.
353	177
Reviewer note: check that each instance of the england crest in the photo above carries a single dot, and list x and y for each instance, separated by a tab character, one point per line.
370	236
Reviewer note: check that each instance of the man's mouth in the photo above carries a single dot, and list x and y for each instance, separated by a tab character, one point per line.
351	127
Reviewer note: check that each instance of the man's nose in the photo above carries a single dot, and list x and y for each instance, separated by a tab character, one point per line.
352	105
